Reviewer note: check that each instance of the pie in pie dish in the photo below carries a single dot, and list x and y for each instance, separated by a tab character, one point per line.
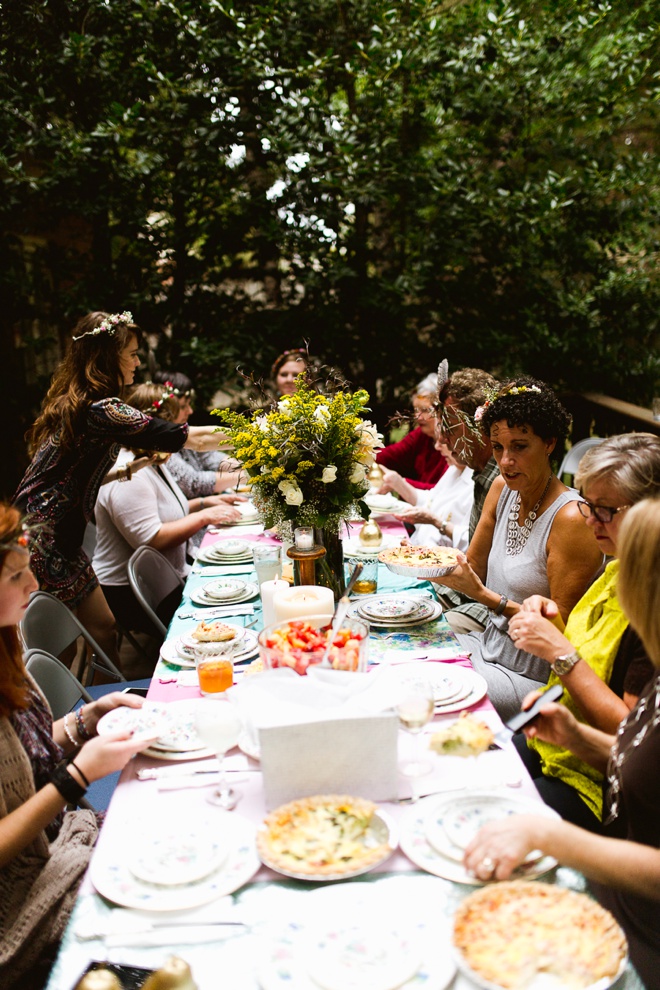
423	561
326	835
467	736
512	935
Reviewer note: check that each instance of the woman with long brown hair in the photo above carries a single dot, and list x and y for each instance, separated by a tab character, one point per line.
43	767
75	443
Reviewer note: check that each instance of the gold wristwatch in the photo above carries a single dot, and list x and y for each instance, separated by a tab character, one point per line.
564	664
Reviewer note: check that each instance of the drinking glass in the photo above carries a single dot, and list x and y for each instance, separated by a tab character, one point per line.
367	583
218	724
415	709
267	563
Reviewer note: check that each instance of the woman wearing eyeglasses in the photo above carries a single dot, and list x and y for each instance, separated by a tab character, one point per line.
596	656
416	457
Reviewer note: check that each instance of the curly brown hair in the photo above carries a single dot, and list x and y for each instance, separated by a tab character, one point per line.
525	401
89	372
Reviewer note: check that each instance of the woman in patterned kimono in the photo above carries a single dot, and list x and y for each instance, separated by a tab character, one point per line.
43	767
75	442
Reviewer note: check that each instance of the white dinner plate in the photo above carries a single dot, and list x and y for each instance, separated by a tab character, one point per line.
179	857
199	597
209	555
224	589
418	849
391	607
429	611
230	548
113	879
247	648
384	503
173	721
189	642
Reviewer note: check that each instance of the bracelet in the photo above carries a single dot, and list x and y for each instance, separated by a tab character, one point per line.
66	784
75	765
501	605
442	528
81	728
68	732
201	502
126	475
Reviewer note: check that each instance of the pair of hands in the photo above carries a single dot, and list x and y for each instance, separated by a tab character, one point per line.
106	754
220	508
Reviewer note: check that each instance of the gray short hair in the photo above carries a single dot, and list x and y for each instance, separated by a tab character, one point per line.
630	461
428	386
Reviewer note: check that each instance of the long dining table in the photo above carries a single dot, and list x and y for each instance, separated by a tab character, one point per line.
251	935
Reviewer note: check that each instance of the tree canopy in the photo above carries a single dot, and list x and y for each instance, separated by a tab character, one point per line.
392	182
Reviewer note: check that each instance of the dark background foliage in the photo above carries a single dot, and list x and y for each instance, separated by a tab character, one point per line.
392	183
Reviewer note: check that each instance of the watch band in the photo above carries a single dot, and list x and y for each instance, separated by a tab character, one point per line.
501	605
564	664
66	784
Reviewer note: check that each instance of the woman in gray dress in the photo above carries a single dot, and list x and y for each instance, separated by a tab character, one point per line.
530	537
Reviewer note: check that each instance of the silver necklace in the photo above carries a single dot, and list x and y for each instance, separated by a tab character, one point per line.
517	536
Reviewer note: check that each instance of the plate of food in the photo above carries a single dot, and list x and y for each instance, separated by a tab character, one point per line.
423	562
517	934
326	837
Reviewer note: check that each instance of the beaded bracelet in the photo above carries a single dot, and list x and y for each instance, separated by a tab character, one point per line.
68	732
81	728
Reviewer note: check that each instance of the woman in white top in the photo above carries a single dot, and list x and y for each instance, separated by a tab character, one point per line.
151	511
441	514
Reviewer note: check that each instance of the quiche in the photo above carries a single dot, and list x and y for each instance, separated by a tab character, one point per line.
324	835
213	632
467	736
513	934
419	558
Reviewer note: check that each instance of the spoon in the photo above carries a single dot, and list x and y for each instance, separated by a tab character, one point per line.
343	606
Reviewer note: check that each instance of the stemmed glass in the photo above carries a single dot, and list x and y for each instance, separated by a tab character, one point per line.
218	724
415	708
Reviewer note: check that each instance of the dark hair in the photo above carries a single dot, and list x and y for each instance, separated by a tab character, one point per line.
13	684
180	382
525	401
89	372
468	389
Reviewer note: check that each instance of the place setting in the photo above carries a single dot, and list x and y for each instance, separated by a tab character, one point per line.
239	645
224	591
397	610
173	723
225	552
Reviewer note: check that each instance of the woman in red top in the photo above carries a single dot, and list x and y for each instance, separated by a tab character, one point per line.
415	457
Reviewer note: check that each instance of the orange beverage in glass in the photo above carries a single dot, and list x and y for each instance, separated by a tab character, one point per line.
215	674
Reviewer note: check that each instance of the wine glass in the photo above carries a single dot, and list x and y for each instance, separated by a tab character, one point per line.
415	708
218	724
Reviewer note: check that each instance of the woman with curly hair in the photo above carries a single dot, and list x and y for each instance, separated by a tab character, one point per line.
75	443
530	537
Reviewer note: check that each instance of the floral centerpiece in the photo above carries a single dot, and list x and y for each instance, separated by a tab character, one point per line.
307	459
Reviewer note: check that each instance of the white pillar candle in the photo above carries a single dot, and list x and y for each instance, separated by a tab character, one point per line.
268	590
305	599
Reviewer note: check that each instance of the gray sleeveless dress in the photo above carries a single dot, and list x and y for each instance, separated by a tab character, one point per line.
512	673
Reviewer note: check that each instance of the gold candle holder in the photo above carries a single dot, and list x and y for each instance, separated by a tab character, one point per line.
304	553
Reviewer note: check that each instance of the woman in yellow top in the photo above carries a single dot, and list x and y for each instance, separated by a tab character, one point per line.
598	658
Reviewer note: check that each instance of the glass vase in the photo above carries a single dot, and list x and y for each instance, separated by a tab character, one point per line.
330	569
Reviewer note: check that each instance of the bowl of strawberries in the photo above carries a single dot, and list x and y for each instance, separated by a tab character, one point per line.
301	643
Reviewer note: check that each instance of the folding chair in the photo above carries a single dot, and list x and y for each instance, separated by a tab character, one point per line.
50	626
152	579
569	465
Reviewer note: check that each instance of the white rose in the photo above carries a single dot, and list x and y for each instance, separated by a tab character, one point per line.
284	406
285	486
358	474
262	423
294	496
329	474
322	413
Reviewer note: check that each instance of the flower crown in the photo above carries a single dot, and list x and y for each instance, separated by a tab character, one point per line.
492	394
108	325
169	391
22	536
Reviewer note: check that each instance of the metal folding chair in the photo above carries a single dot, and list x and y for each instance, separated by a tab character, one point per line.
50	626
152	579
569	465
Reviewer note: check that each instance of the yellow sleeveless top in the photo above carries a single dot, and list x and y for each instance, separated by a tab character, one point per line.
594	627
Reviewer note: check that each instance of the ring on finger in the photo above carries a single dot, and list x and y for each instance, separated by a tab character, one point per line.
487	866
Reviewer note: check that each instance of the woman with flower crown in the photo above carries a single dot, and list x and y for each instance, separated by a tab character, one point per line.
530	536
75	443
44	766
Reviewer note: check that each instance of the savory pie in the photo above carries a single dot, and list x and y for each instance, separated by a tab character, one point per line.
325	835
512	934
467	736
412	556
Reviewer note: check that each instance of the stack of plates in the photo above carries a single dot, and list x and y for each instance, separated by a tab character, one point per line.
454	687
174	723
224	591
397	610
226	552
437	831
180	652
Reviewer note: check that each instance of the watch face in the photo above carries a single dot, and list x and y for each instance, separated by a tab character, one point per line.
563	665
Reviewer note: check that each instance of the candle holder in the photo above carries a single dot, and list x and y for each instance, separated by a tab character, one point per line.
304	560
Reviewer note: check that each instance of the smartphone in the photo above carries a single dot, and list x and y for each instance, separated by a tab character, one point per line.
142	692
523	718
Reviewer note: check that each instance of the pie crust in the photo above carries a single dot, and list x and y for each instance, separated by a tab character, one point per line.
324	835
510	934
414	556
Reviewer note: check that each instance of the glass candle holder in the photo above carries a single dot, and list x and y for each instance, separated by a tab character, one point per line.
304	538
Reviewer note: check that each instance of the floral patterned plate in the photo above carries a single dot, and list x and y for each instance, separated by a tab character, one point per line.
171	860
391	607
199	596
173	722
224	588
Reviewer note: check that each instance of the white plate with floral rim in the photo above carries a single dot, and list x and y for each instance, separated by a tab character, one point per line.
429	611
294	953
189	641
179	857
199	597
460	818
113	878
391	607
174	723
415	844
230	548
222	589
209	555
